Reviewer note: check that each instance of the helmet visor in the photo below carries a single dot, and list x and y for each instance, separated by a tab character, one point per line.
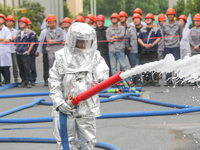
83	44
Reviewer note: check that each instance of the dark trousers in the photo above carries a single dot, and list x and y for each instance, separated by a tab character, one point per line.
5	71
128	53
14	65
176	53
33	68
45	66
134	59
147	57
23	62
107	60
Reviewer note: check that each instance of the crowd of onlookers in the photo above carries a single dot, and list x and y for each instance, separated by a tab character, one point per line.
141	42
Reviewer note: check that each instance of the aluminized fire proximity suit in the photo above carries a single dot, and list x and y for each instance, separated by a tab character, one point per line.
77	67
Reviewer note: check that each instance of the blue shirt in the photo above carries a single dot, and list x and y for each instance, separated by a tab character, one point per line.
148	37
42	39
13	34
33	51
64	34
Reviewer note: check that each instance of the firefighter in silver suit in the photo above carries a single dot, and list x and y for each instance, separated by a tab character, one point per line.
77	67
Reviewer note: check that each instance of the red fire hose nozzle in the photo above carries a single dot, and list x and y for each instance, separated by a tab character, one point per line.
97	88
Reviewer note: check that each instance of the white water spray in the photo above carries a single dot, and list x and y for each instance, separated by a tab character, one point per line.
187	69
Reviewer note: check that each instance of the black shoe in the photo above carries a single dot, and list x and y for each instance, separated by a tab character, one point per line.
151	83
139	84
22	84
0	84
170	83
45	83
16	80
155	83
145	83
29	84
33	83
193	84
180	84
7	82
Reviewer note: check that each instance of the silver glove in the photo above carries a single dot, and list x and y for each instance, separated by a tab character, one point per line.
66	109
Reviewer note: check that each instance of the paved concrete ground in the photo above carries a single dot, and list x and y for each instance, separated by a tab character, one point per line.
172	132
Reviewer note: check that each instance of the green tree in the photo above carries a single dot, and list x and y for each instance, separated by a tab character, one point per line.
179	7
86	7
107	7
6	10
35	12
66	11
192	6
163	6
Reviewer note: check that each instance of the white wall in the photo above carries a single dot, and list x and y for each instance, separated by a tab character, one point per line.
52	7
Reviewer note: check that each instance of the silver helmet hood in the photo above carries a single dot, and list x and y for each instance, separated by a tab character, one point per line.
80	47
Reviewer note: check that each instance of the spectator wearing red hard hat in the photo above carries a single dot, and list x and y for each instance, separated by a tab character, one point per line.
42	49
136	50
184	44
29	23
116	33
123	22
148	38
139	12
5	58
66	24
10	21
132	46
172	31
101	36
80	19
33	54
194	39
23	52
91	20
161	20
123	18
53	35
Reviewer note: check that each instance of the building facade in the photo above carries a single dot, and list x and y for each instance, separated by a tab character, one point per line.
75	6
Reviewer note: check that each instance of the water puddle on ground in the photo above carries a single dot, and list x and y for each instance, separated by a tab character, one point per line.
185	141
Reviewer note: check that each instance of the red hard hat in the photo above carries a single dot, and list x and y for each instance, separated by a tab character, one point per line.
137	10
10	17
197	17
67	19
161	17
115	15
123	14
79	19
183	17
29	22
51	17
1	15
24	19
92	17
136	16
100	18
170	11
150	15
